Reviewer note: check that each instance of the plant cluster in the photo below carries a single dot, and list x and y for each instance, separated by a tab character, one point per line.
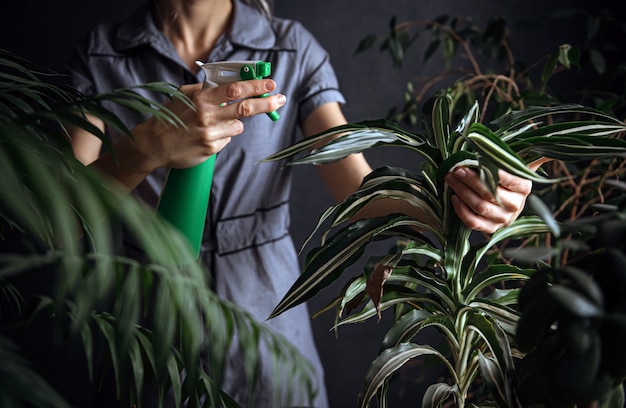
469	292
480	63
573	316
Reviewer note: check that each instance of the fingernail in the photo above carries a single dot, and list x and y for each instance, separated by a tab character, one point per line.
460	172
270	85
282	99
451	179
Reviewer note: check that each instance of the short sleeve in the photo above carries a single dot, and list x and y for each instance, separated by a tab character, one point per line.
319	84
77	69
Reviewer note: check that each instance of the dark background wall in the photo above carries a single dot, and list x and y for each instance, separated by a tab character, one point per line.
46	32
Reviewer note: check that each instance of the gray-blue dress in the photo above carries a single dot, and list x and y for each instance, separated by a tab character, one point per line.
246	245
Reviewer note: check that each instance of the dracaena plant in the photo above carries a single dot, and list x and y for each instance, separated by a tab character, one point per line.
57	226
436	277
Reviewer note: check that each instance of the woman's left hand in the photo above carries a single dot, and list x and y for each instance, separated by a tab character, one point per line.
477	207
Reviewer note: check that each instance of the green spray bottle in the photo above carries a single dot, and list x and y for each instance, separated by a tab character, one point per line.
184	199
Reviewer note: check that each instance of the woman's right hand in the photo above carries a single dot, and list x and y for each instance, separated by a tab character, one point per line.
209	128
155	144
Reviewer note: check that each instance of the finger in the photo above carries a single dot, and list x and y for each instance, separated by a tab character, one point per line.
473	220
463	181
477	199
250	107
208	135
239	90
514	183
189	89
511	201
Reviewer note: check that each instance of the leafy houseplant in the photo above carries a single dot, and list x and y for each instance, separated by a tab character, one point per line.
479	62
438	278
573	316
143	324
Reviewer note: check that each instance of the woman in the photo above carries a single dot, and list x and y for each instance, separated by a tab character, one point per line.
246	243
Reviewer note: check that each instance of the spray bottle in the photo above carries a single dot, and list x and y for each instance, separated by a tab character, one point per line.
184	199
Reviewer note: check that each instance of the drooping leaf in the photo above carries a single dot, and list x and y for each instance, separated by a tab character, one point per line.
437	394
325	264
388	362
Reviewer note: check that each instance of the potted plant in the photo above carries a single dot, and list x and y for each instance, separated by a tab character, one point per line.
437	278
60	267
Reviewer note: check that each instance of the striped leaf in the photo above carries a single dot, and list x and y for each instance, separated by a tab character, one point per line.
470	323
325	264
344	140
388	362
516	119
493	275
396	295
437	394
505	316
417	277
490	147
492	376
522	227
441	123
381	183
405	328
497	342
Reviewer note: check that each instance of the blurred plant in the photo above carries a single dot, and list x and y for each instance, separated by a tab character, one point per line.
437	278
481	64
573	316
60	265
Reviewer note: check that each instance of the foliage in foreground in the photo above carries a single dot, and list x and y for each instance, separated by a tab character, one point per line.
573	315
59	223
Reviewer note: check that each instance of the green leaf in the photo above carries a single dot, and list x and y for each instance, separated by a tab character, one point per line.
437	394
492	376
598	61
496	339
548	69
388	362
493	275
366	43
325	264
491	147
405	328
542	210
574	302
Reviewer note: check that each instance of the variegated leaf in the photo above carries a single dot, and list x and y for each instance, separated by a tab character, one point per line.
325	264
437	394
388	362
521	227
493	275
395	295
